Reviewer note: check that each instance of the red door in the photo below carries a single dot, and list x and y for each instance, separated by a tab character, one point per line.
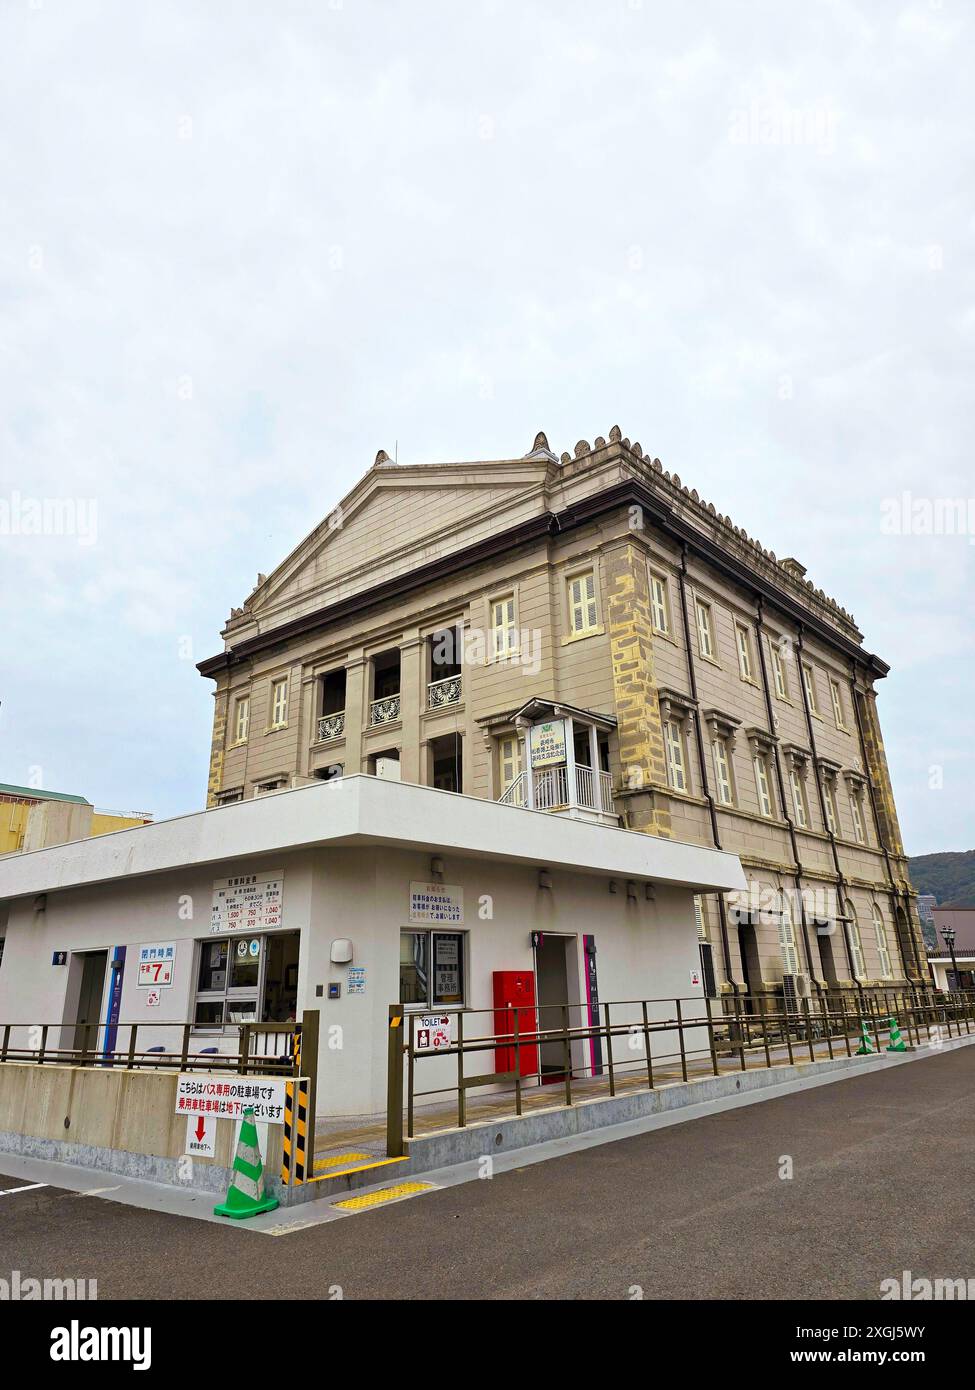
514	996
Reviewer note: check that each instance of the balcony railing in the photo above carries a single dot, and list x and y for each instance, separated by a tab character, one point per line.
444	692
384	711
551	790
331	726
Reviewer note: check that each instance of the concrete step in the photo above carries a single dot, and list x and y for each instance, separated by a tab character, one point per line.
339	1173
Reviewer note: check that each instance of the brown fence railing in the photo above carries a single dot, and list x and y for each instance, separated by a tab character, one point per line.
246	1049
561	1054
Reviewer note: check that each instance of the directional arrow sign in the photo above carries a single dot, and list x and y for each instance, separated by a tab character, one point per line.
201	1136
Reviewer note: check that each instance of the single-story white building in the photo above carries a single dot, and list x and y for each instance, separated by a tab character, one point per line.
346	896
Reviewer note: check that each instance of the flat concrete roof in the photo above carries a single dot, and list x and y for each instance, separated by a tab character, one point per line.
363	810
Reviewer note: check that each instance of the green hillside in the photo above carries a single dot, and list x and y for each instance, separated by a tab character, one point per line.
950	877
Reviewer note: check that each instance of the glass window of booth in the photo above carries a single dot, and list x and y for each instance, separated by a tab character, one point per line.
247	979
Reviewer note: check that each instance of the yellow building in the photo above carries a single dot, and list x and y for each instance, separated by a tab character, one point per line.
31	819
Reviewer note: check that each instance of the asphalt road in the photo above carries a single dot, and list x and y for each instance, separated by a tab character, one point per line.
881	1182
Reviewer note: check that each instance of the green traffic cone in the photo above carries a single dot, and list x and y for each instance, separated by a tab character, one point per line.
895	1043
246	1195
866	1045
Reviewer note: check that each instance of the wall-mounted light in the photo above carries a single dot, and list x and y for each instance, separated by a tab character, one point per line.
613	886
544	878
40	902
631	889
650	893
437	868
341	953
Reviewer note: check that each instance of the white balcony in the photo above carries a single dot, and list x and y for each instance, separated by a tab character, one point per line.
586	795
384	711
331	726
444	692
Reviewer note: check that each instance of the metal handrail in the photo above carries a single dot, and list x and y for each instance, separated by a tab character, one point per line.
735	1027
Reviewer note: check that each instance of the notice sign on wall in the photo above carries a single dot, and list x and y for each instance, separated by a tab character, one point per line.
227	1097
436	903
546	743
156	964
249	902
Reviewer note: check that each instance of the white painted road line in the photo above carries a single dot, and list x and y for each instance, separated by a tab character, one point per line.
28	1187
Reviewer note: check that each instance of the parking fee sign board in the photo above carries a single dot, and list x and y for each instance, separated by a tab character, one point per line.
432	1031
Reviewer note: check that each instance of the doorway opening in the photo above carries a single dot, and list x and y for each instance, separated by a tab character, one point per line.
92	987
751	968
556	968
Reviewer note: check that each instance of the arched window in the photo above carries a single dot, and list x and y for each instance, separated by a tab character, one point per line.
856	945
883	950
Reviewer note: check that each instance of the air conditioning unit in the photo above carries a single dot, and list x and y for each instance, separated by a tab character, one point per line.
388	768
795	988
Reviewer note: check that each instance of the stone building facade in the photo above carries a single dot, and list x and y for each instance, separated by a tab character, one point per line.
445	616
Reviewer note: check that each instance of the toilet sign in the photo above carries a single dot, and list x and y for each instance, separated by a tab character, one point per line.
201	1136
432	1032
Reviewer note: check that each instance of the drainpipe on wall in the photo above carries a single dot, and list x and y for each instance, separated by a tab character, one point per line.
783	800
703	765
872	792
841	881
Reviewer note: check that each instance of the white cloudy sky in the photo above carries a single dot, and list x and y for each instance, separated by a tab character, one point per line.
242	246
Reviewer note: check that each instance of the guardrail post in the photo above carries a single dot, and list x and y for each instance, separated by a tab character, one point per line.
461	1093
646	1043
43	1050
763	1015
609	1051
411	1062
244	1044
567	1050
185	1052
517	1065
394	1083
827	1025
680	1035
6	1043
133	1030
809	1037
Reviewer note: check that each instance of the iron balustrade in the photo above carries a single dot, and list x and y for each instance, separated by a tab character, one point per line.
331	726
700	1036
444	692
384	711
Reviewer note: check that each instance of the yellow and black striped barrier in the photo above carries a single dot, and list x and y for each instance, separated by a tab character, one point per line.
294	1151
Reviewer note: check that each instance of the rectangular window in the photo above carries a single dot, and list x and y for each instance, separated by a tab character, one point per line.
778	674
722	772
705	633
432	968
829	801
504	636
809	682
582	603
702	931
242	719
674	742
836	695
247	979
744	652
787	945
509	760
762	785
799	800
279	703
857	818
659	606
883	949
